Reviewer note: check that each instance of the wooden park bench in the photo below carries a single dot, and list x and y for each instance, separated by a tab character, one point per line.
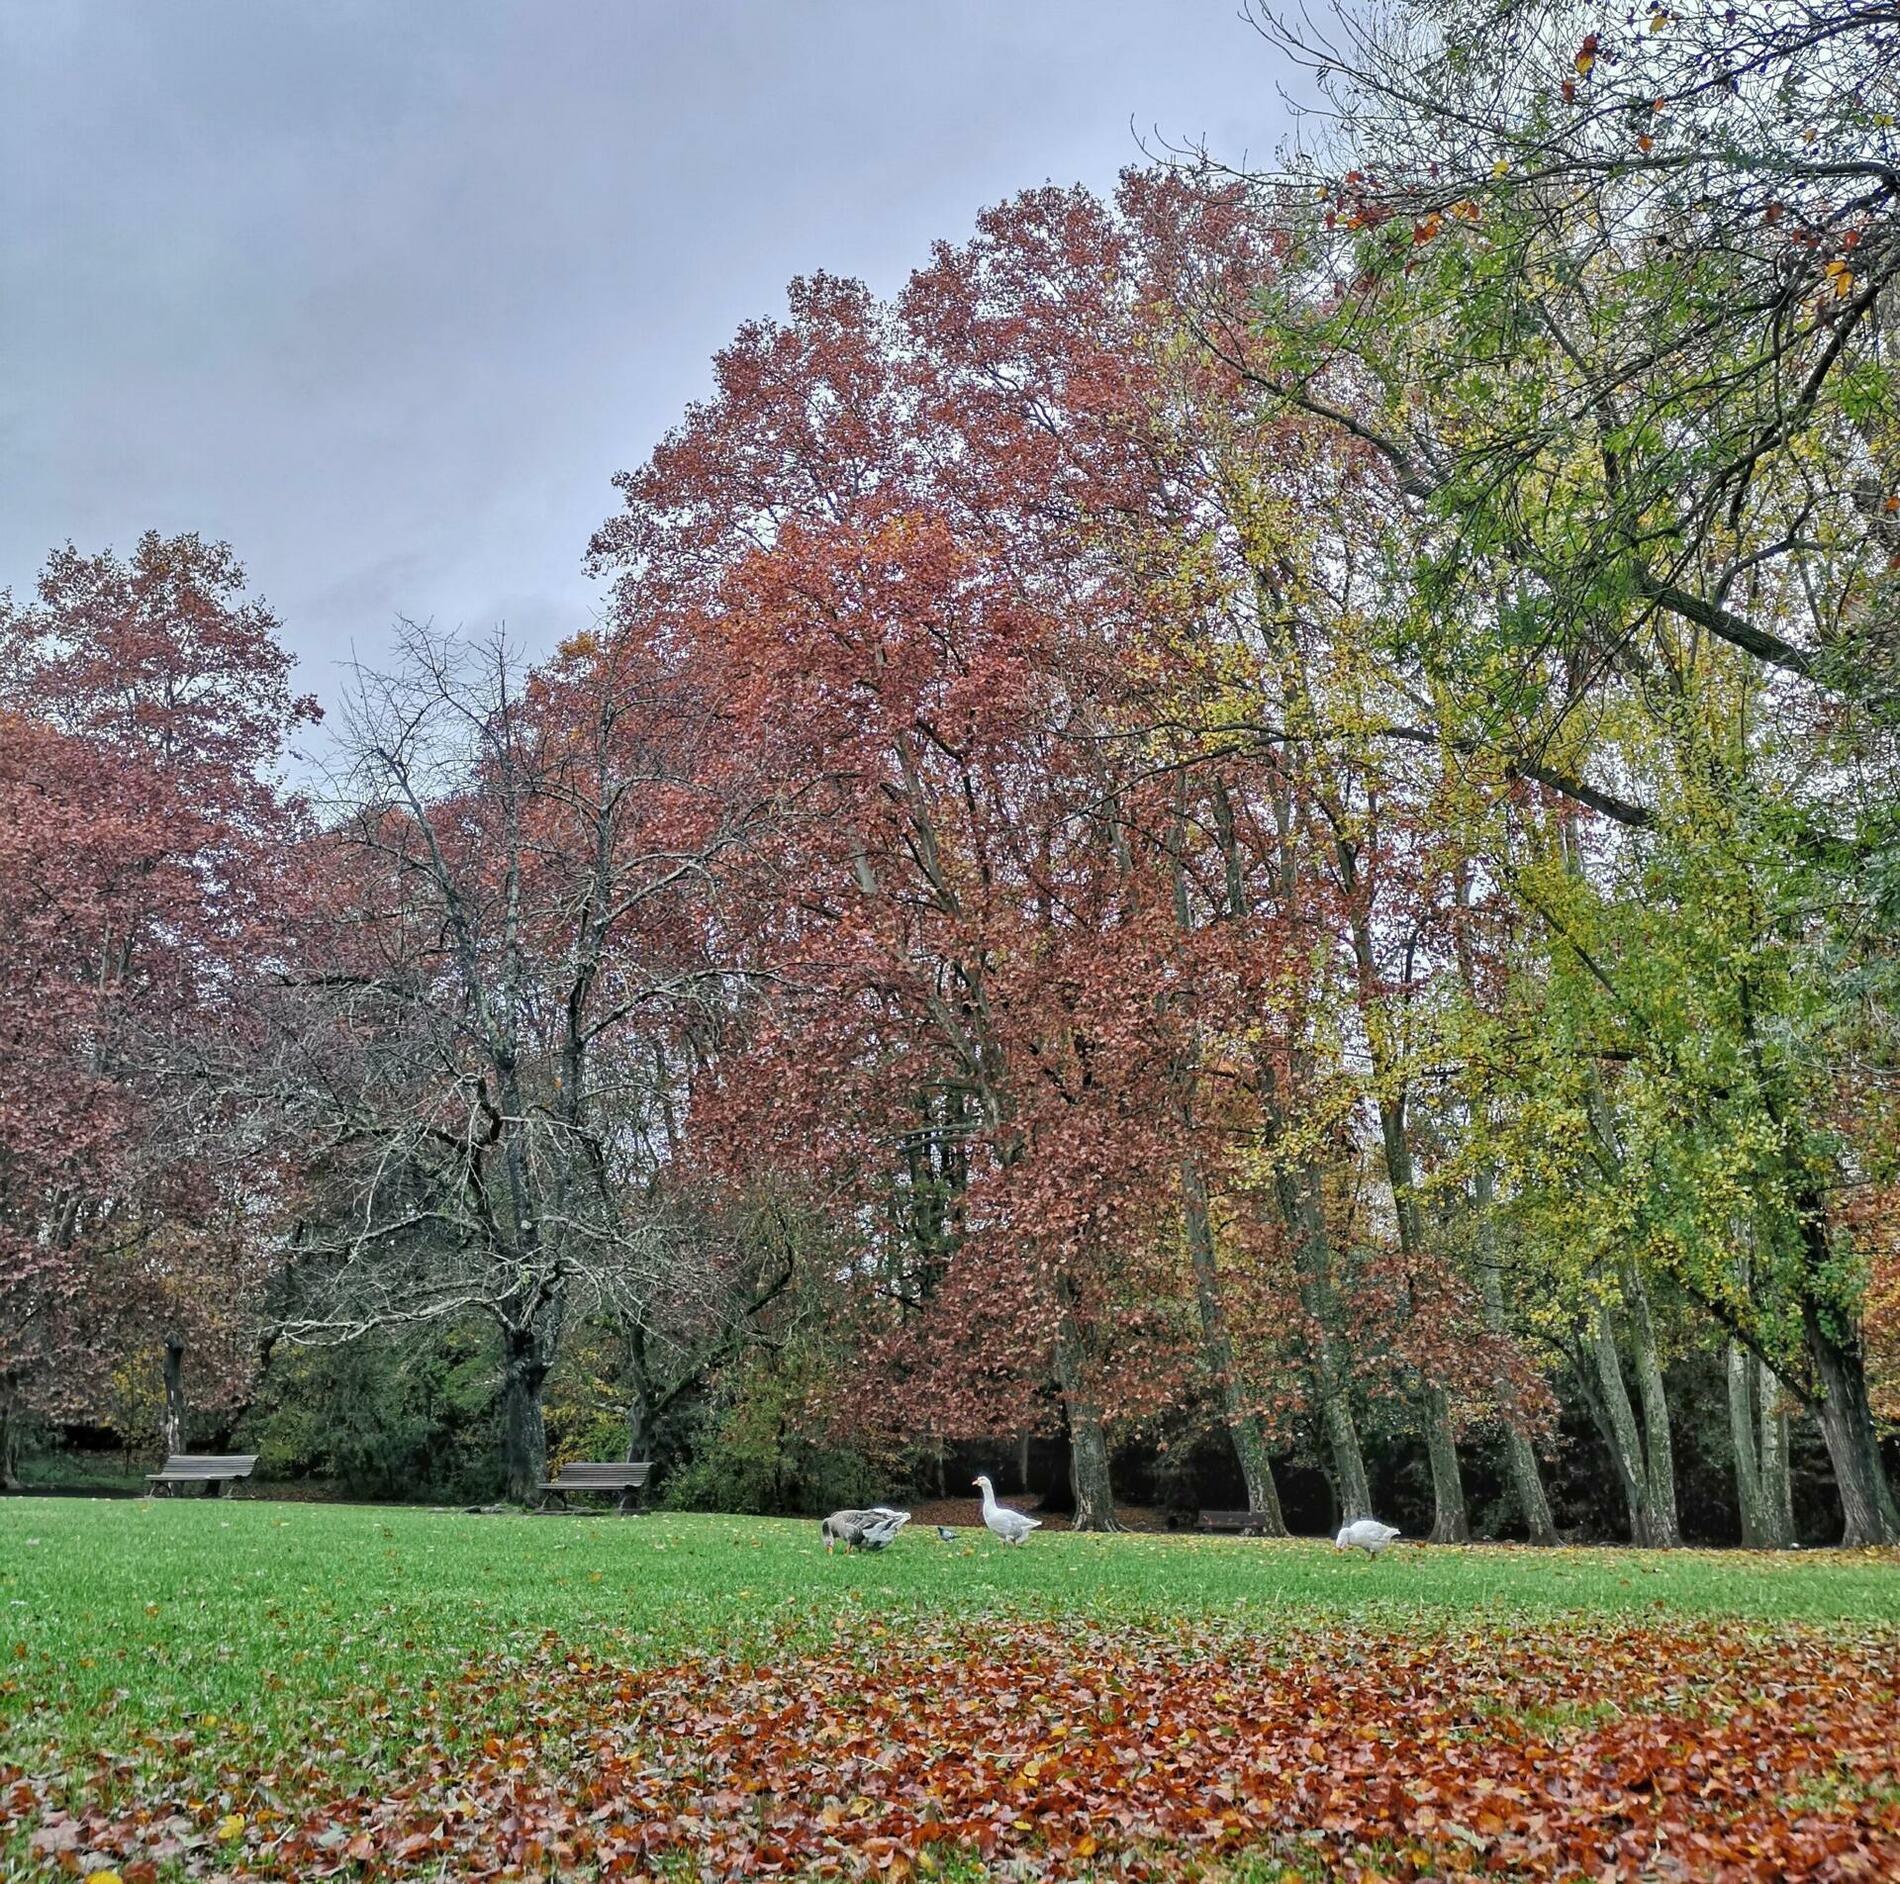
627	1477
211	1470
1247	1523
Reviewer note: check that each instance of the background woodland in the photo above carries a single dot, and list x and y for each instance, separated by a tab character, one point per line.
1245	849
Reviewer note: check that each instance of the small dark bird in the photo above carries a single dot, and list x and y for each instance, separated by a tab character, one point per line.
944	1531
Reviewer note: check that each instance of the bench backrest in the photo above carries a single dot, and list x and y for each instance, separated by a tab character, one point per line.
209	1465
606	1476
1221	1519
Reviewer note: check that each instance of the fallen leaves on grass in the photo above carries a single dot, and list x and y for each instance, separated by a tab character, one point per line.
1703	1752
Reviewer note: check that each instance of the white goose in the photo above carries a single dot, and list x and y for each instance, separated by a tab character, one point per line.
1011	1526
1366	1534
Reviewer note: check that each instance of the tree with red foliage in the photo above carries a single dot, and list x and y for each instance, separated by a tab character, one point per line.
945	557
948	897
142	704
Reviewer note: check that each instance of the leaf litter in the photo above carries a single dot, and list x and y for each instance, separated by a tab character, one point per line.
1680	1750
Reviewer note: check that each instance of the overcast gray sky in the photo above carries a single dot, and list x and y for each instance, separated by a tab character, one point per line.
384	294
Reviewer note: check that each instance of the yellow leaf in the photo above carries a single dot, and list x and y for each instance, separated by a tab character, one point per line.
230	1826
1085	1845
1502	168
1658	20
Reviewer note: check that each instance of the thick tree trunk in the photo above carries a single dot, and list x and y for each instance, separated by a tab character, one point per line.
1847	1427
1089	1479
1520	1457
1659	1452
524	1372
173	1421
1752	1437
1244	1428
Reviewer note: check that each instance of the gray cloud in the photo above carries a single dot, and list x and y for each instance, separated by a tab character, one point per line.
384	295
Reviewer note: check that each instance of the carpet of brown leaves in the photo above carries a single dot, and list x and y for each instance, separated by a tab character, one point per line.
1675	1751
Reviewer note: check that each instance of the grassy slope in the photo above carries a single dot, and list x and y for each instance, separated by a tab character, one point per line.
120	1615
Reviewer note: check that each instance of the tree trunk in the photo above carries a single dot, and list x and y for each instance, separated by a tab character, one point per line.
639	1396
1089	1480
1331	1371
1659	1452
172	1420
1620	1431
1520	1457
524	1372
1088	1444
1752	1420
1022	1459
1244	1429
1342	1441
1777	1477
1256	1472
1296	1192
9	1436
1450	1522
1847	1427
1527	1485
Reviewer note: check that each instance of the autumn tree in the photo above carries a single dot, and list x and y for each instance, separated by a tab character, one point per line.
508	933
1607	299
145	704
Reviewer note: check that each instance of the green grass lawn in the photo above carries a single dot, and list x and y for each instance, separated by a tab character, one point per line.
221	1635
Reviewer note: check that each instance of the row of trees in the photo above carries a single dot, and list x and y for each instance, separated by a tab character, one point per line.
1262	808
